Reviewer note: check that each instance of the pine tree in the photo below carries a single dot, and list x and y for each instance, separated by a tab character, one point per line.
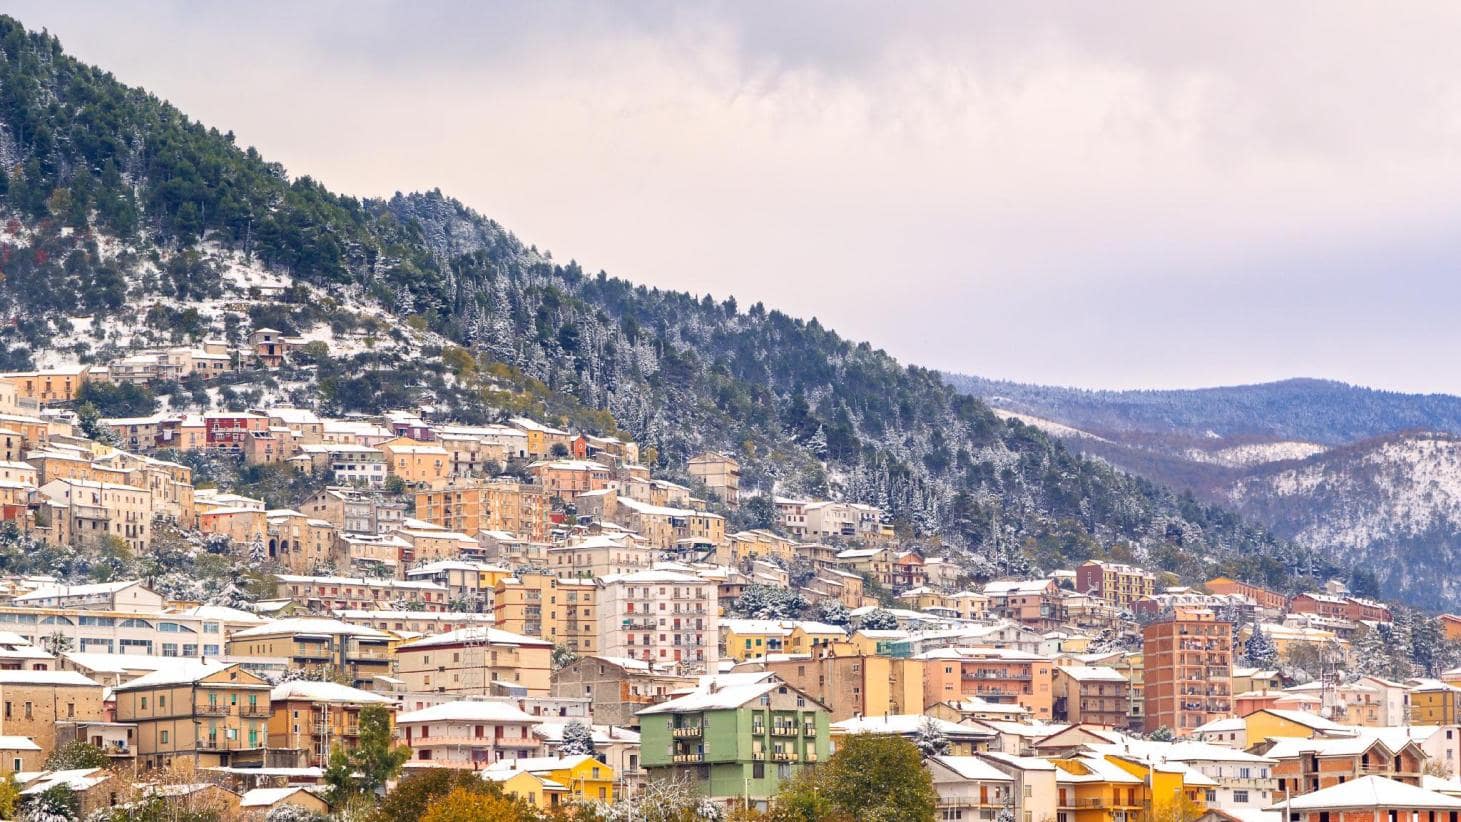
930	738
1259	649
578	739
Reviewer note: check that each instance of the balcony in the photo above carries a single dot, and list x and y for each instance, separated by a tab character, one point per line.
254	711
689	757
211	710
811	756
758	756
688	731
784	730
809	730
784	756
516	742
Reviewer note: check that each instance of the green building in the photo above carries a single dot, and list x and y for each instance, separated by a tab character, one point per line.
736	736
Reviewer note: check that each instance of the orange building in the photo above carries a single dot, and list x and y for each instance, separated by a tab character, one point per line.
1264	598
1188	662
992	674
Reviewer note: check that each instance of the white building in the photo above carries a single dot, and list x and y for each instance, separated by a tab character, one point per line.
660	616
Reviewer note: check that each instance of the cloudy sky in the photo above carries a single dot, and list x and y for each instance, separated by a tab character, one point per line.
1106	195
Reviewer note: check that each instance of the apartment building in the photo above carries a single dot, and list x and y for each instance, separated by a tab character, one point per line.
1119	585
562	611
415	462
853	686
992	674
50	385
358	594
734	737
96	511
299	543
599	556
416	622
470	582
618	687
472	506
663	527
355	510
355	465
476	660
311	719
469	734
1091	695
207	713
123	595
1187	670
660	616
322	646
32	702
720	474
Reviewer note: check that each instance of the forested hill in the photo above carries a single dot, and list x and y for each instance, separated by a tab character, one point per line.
1322	411
114	197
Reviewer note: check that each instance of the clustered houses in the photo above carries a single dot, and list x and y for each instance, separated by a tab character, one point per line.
489	585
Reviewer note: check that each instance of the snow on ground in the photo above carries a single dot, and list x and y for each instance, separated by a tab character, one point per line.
1258	453
1050	427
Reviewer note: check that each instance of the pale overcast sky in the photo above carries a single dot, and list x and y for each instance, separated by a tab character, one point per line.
1106	195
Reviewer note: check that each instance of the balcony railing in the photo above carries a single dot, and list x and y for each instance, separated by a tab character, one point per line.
688	731
211	710
254	711
689	757
784	756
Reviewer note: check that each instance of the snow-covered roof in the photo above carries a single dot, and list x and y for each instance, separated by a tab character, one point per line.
474	633
267	797
18	743
539	764
178	675
1092	673
468	711
972	768
307	691
905	725
46	678
90	589
1370	792
703	698
310	625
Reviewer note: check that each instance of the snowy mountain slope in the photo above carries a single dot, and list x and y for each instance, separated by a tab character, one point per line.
1392	504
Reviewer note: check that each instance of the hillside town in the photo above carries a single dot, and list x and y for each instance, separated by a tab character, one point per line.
530	604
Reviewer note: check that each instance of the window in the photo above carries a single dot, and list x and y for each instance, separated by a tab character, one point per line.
164	737
1239	797
758	770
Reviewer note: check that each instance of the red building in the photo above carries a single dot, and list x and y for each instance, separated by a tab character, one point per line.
229	429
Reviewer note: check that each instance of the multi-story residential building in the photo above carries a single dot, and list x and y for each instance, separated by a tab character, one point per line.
542	438
1035	603
1118	584
354	464
969	788
852	686
32	702
470	734
1091	695
299	543
472	506
1263	597
95	511
807	520
618	687
476	660
1187	670
415	462
122	595
209	713
358	594
991	674
720	474
1351	608
567	478
314	718
470	582
414	622
1434	702
737	737
663	527
600	555
320	645
908	570
1307	765
355	510
660	616
229	429
432	543
562	611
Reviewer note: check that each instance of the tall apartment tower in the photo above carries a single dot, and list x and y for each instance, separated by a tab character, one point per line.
1188	660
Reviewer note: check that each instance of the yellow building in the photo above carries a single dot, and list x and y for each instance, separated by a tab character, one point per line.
208	714
1093	789
585	778
1177	792
1272	723
538	791
414	461
743	639
355	653
562	611
1435	703
470	660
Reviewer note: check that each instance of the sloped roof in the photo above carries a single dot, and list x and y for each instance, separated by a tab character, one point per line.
1371	792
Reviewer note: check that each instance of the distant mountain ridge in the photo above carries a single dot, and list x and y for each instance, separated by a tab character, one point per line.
1313	410
1370	478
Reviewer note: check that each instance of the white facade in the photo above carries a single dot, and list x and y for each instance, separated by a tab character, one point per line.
659	616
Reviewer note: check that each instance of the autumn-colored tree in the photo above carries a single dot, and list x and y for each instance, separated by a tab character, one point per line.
463	805
416	793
